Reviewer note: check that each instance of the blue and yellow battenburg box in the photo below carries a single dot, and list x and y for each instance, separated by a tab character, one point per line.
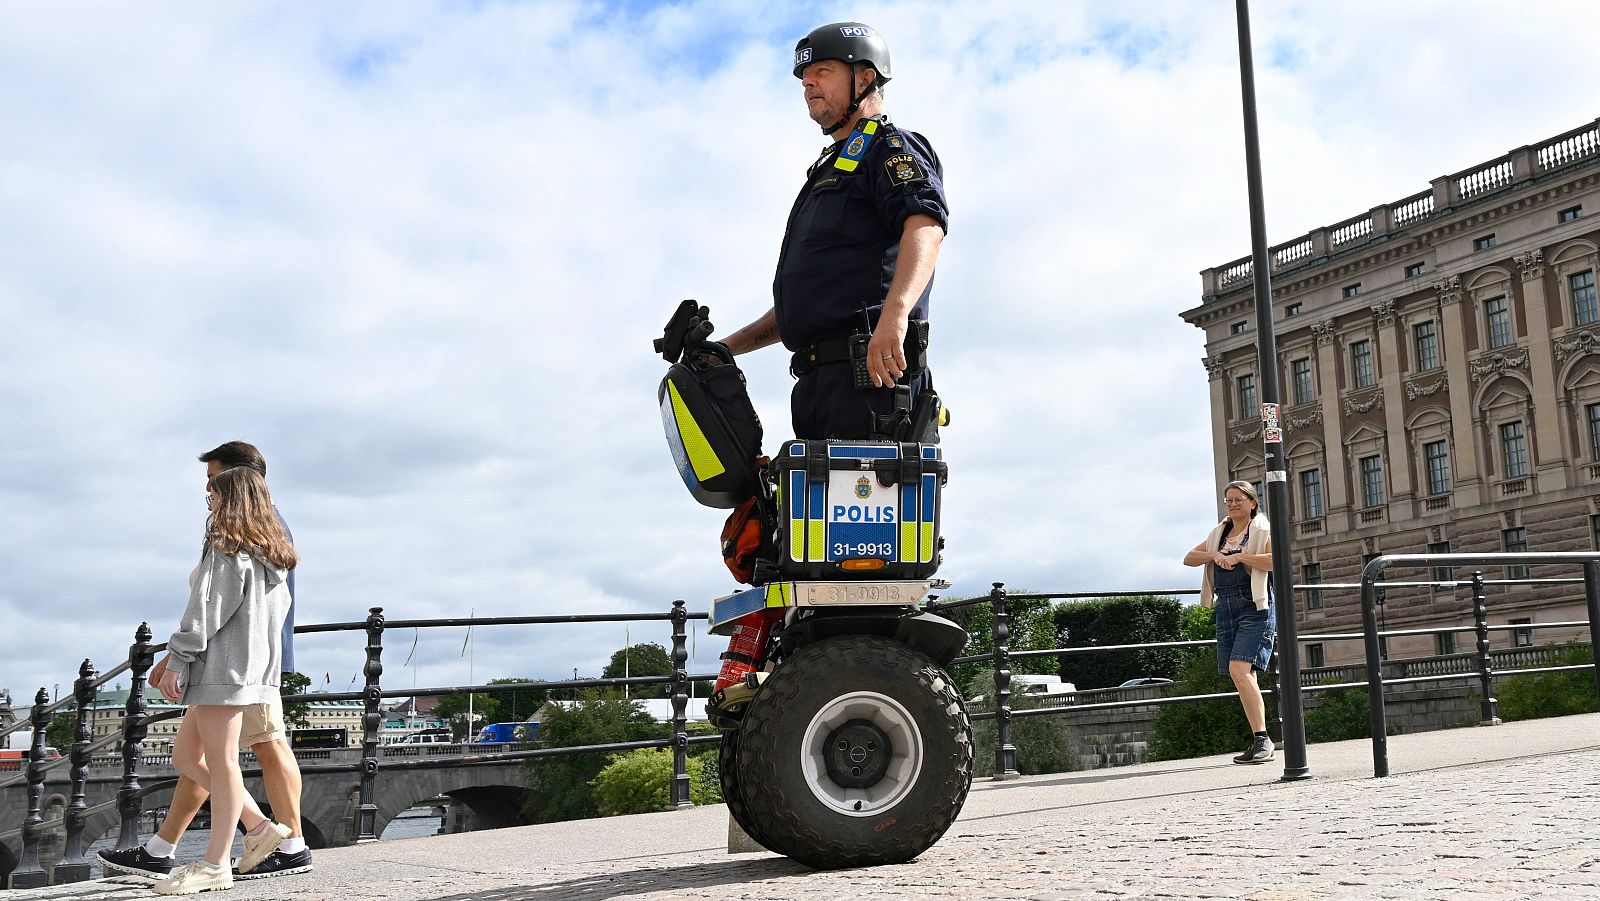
858	509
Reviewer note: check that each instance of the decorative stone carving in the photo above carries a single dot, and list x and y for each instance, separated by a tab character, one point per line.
1375	402
1495	365
1323	331
1415	390
1296	422
1246	435
1213	367
1576	345
1384	311
1531	264
1449	289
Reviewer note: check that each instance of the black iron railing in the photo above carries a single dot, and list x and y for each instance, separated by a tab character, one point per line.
137	720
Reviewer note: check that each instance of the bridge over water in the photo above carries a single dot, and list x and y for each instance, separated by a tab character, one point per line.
491	792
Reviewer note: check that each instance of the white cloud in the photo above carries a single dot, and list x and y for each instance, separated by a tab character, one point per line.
417	254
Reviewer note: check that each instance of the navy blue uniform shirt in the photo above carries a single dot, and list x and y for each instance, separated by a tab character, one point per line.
843	236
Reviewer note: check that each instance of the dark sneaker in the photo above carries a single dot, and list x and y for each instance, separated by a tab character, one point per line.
1260	751
279	863
136	862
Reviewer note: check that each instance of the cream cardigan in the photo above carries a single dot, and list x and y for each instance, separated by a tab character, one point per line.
1260	531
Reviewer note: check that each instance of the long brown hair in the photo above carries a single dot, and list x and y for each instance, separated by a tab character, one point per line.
243	518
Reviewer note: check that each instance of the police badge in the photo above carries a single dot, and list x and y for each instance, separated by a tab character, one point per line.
863	488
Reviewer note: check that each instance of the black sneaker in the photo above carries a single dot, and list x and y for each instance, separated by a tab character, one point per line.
279	863
136	862
1260	751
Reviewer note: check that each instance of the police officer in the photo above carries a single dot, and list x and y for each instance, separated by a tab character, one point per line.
850	297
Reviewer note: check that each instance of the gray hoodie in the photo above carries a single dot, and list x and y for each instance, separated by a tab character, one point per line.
228	647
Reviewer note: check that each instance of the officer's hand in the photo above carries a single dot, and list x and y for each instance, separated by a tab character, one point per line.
886	352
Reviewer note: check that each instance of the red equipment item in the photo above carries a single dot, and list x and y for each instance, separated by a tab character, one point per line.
746	646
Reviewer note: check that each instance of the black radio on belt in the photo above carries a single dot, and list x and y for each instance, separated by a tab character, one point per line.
853	349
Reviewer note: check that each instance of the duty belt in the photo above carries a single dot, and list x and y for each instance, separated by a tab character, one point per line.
836	348
819	353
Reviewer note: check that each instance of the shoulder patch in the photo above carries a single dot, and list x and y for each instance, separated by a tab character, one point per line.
904	168
895	142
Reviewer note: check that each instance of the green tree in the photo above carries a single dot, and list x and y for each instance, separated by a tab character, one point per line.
1032	628
60	733
1199	728
295	716
1144	619
641	782
647	659
452	708
1043	743
564	790
517	706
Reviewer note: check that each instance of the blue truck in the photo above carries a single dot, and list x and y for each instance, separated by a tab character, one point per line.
506	733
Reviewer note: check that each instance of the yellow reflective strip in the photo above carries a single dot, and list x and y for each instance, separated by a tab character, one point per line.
845	165
871	127
778	594
927	542
816	541
797	536
908	542
701	458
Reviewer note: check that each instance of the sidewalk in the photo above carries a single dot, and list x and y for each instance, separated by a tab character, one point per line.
1491	813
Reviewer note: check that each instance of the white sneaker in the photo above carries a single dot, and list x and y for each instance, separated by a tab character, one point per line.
193	878
257	847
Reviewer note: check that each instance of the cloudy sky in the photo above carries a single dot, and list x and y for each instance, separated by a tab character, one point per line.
416	252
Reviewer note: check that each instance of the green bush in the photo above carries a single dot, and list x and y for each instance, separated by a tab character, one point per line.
1340	715
1550	694
1199	728
1041	741
1032	628
1114	621
640	782
560	786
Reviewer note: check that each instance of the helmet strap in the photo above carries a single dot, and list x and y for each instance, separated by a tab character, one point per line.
854	105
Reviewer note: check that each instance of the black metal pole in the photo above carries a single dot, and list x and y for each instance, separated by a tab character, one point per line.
679	792
1276	476
130	797
1377	720
1591	597
1489	707
28	873
74	867
371	720
1005	753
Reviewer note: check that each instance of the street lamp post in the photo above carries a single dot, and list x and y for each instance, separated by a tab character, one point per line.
1276	479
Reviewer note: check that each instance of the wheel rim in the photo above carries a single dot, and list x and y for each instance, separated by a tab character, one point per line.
856	719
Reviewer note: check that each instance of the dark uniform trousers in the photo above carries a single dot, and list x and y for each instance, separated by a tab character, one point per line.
825	403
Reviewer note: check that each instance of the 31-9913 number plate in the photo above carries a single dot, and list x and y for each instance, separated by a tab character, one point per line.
840	594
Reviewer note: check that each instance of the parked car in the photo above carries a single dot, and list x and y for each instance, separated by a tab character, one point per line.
429	737
1145	680
1035	687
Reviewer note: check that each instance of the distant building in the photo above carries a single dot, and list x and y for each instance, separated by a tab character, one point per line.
1439	358
408	716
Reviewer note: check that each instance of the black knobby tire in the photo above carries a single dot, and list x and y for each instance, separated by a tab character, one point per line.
728	776
822	694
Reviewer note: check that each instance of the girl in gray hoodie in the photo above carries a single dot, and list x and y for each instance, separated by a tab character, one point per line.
227	653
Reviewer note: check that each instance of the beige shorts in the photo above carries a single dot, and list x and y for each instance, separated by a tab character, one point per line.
262	722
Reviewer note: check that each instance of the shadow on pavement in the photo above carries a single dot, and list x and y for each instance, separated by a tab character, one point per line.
639	882
1085	779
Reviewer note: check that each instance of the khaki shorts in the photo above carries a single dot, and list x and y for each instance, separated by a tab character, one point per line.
262	722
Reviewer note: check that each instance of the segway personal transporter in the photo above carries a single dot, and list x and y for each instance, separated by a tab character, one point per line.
845	742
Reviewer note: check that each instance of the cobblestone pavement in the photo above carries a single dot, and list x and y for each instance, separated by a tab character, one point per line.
1510	828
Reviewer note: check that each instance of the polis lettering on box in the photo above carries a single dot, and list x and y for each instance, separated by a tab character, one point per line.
842	513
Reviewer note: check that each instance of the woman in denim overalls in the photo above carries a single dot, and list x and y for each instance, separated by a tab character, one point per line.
1237	557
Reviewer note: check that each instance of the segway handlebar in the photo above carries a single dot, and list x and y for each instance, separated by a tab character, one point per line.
688	330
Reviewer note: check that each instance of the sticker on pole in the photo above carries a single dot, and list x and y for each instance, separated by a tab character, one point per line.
1271	431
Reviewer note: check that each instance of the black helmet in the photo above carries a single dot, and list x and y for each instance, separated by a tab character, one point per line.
850	42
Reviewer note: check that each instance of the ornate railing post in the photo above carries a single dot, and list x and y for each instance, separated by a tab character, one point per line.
28	873
140	658
1490	712
74	867
1005	753
678	798
371	721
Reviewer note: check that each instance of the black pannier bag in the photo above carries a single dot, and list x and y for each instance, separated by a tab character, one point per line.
712	428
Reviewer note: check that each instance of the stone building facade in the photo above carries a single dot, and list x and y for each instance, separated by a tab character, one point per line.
1439	372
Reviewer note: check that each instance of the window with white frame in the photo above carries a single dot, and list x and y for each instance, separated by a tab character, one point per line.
1513	450
1371	481
1497	321
1585	308
1300	380
1425	341
1521	638
1247	396
1361	374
